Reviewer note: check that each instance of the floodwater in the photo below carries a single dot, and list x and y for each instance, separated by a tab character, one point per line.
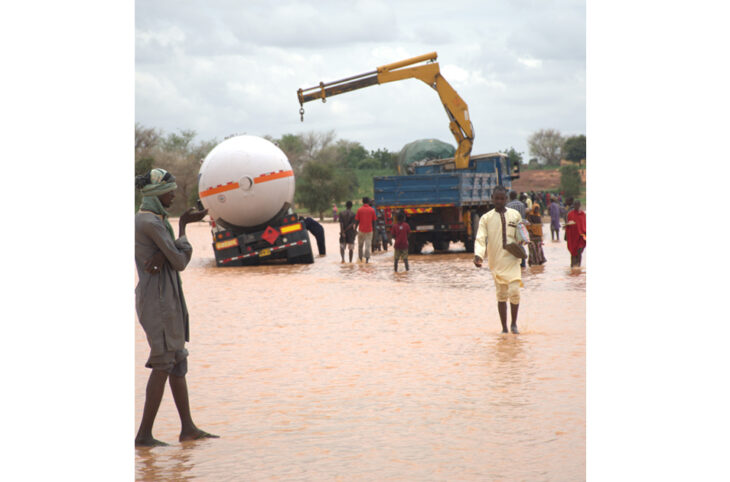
337	371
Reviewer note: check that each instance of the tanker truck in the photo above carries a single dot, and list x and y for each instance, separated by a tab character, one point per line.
247	185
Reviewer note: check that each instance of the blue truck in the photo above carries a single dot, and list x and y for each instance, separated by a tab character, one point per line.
443	204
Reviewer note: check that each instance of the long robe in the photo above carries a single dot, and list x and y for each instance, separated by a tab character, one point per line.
505	267
554	210
160	303
537	256
574	233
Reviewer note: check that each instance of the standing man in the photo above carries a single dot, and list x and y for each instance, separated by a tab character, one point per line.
365	217
518	206
347	231
575	234
554	210
497	228
317	231
160	303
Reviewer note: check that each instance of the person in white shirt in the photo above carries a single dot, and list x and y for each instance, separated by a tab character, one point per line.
497	228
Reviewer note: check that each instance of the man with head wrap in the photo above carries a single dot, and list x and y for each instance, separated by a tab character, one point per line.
160	302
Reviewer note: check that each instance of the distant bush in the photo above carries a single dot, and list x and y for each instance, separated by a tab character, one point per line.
570	180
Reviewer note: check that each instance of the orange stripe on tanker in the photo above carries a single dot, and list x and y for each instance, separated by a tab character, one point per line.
272	175
219	188
257	180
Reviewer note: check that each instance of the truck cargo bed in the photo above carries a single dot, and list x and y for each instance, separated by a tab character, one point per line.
448	189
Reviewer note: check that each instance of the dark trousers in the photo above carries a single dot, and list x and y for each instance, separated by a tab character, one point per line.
576	259
320	243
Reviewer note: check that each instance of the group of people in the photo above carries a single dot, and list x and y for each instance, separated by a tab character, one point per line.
498	235
367	225
531	216
159	258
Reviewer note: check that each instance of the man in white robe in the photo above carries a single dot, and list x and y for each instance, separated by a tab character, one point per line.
497	228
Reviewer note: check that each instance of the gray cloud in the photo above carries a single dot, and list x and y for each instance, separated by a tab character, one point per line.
224	67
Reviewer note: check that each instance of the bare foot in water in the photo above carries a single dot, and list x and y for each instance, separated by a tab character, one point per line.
197	434
149	442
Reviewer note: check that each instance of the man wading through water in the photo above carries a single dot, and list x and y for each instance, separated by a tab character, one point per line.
160	302
497	228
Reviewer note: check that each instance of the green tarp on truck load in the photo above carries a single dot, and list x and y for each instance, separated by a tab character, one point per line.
424	149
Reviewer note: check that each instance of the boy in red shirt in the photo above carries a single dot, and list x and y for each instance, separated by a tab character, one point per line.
400	233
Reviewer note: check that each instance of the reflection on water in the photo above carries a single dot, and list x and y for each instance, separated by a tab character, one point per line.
350	371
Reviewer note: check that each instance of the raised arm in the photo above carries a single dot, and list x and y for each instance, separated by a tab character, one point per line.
177	252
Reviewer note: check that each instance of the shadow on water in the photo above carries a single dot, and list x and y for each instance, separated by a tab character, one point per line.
165	463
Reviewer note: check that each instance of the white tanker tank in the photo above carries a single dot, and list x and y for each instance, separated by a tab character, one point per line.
247	185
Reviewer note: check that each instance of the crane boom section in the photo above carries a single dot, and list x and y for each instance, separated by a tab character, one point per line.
456	109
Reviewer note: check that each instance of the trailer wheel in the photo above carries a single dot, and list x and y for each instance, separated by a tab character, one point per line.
303	259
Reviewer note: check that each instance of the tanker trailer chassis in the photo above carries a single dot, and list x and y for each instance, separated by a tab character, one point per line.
287	241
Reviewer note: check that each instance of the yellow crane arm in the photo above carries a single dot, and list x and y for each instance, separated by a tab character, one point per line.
456	109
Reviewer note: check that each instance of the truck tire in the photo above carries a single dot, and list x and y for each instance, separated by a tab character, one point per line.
415	247
440	244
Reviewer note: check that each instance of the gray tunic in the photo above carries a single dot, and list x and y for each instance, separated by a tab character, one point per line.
160	302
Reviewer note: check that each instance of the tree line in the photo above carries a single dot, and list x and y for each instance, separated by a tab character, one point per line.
547	148
327	170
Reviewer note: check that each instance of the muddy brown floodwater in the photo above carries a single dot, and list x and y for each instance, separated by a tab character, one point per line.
335	371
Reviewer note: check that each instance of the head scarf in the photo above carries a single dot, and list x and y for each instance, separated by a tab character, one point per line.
153	184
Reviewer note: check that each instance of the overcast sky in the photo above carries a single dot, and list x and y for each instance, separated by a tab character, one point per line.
222	67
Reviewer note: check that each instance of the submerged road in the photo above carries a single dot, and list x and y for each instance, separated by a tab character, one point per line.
337	371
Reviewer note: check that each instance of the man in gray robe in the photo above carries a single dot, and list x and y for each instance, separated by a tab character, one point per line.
160	302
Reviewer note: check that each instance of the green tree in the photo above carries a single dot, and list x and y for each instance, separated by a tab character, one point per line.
546	145
570	180
385	159
174	152
515	157
315	143
182	157
369	163
319	185
574	148
145	140
293	147
350	154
